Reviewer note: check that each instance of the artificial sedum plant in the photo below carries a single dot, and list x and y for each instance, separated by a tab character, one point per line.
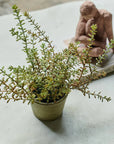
49	75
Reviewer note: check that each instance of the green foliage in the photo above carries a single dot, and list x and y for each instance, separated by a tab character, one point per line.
48	76
108	48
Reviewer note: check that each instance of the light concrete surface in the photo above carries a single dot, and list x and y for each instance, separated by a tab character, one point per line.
84	121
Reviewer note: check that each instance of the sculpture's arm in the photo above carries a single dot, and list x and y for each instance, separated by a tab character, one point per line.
108	26
89	23
96	43
80	31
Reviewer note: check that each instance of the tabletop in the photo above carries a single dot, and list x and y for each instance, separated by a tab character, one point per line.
84	121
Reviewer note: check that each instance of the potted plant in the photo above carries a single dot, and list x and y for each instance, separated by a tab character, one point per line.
48	77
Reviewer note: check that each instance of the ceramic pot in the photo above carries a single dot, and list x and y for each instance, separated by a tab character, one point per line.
48	111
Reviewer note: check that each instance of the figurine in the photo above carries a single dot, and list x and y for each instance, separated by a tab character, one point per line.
91	15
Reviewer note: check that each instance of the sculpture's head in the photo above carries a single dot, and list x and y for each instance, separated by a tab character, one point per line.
88	10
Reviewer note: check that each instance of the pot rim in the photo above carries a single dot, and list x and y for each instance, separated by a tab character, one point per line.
51	103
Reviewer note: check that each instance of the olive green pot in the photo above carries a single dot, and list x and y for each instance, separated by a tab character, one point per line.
48	111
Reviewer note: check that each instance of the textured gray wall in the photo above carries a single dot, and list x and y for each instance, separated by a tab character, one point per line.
29	5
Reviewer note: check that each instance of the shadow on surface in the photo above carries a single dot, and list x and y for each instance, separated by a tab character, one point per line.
55	125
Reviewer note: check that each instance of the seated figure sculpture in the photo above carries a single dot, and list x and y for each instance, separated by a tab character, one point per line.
103	19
